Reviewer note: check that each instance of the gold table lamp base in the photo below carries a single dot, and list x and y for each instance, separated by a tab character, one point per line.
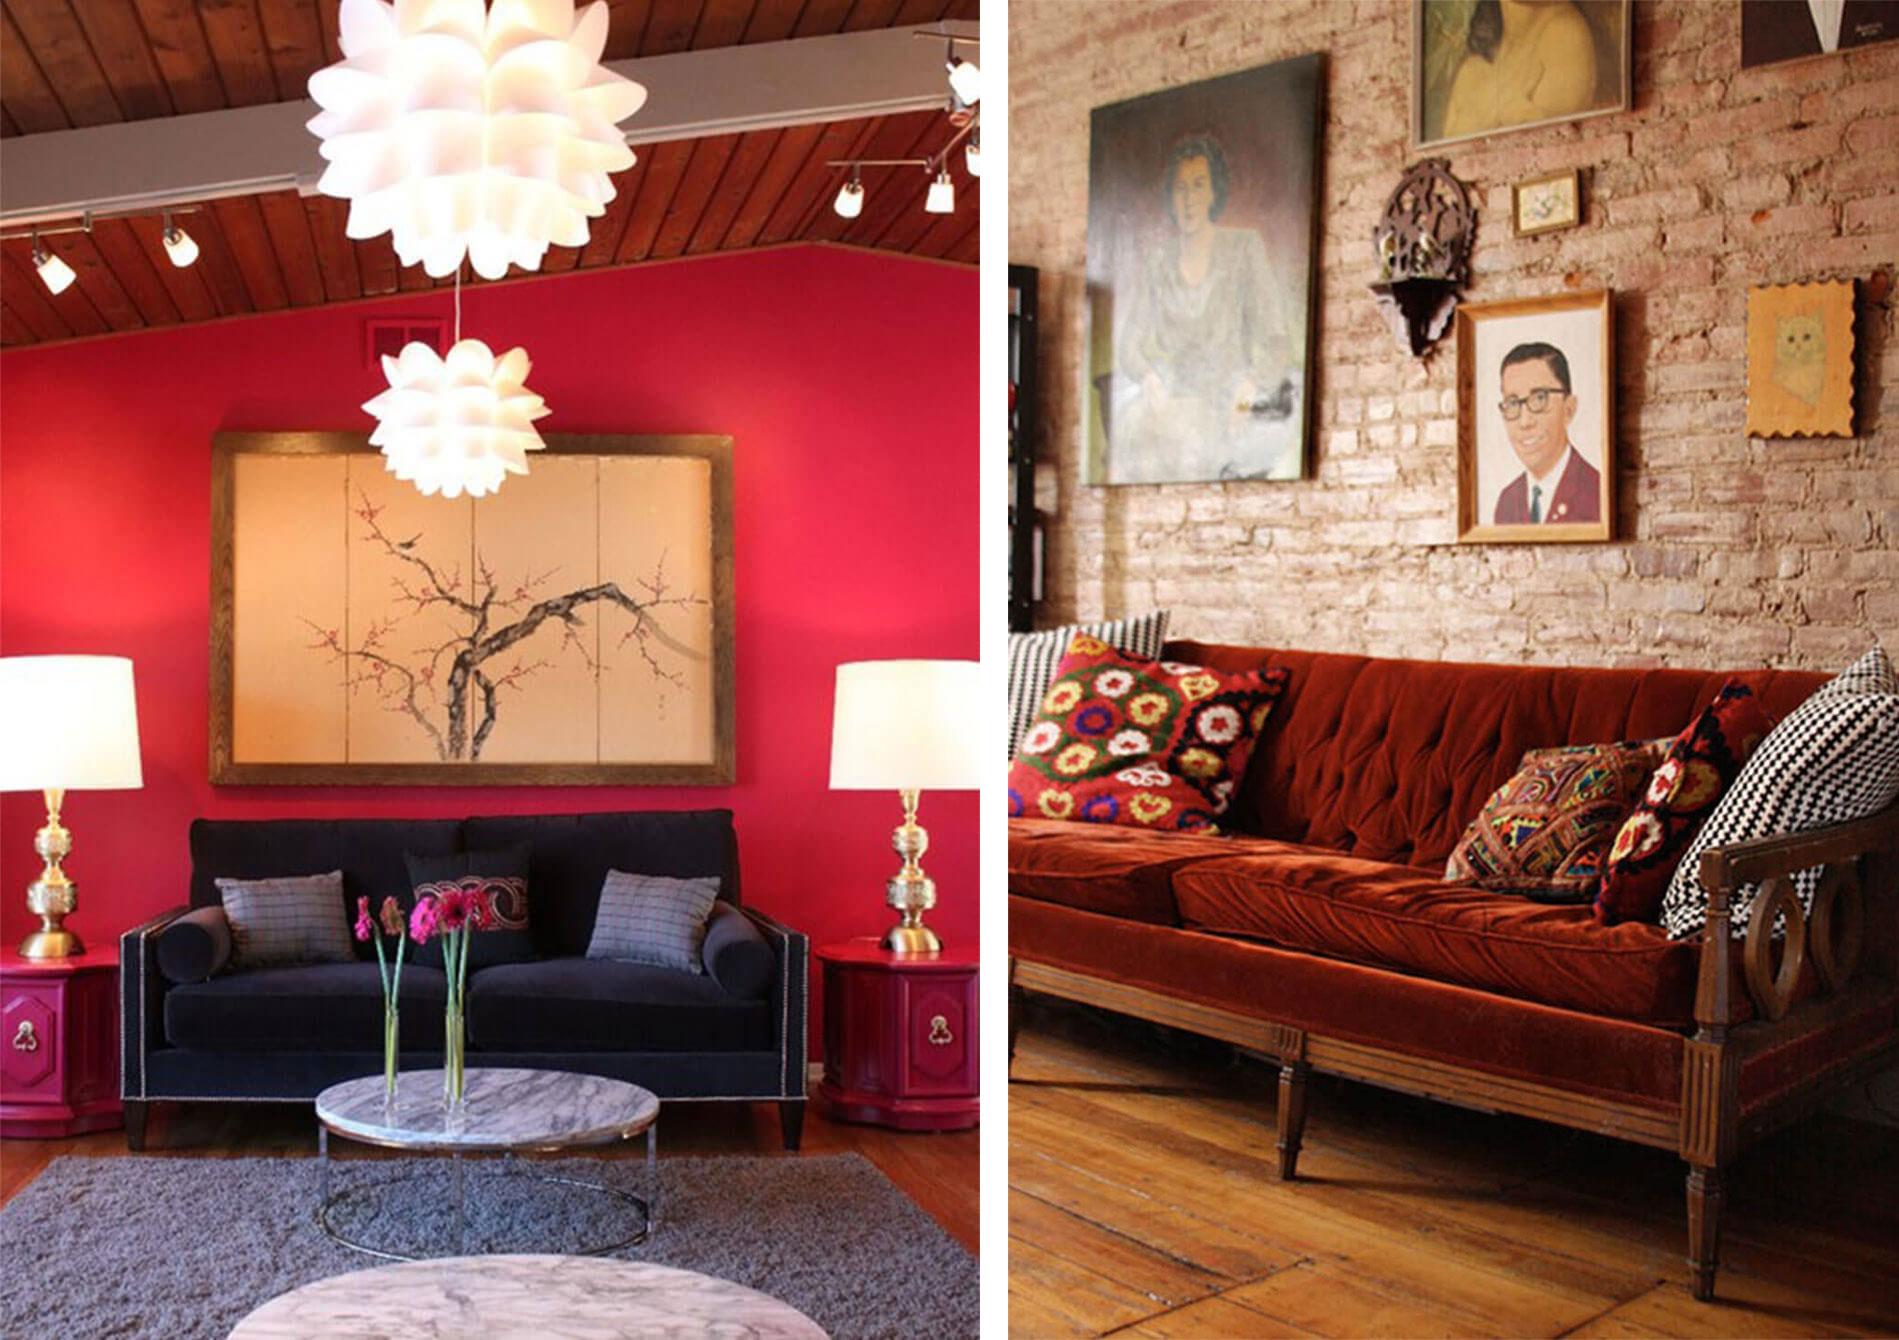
52	897
910	892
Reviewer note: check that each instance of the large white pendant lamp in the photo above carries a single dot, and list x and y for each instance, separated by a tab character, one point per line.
461	130
459	424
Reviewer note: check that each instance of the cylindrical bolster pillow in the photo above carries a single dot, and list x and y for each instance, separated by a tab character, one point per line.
736	954
196	946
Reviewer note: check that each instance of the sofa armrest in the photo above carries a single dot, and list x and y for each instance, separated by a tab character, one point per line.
141	999
792	995
1856	897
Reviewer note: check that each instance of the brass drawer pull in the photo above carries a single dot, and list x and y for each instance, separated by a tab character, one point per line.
25	1038
940	1034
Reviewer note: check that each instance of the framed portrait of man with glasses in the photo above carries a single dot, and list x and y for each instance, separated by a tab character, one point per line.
1536	420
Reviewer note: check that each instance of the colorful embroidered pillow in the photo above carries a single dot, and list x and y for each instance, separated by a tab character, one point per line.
1148	744
1695	773
1546	832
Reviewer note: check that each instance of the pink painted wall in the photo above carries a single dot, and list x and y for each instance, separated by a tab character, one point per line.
848	383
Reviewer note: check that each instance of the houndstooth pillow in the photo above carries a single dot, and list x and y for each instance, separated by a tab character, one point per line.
1034	656
1834	759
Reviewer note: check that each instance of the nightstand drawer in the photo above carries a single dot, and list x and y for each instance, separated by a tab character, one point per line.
941	1046
30	1064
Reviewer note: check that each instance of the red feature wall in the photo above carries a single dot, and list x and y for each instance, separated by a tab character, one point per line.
848	383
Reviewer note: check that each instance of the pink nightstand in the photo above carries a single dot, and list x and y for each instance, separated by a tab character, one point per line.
59	1044
899	1037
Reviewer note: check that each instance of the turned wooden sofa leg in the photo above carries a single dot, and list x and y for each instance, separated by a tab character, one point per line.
1015	1012
1705	1195
1292	1116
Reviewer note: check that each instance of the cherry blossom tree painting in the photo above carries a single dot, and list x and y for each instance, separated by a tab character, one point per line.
574	626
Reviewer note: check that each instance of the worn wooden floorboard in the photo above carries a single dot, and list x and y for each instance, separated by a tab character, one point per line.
1144	1202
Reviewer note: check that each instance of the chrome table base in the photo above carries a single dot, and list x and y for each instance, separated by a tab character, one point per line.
643	1207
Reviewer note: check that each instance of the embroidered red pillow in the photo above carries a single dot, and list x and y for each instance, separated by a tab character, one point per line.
1148	744
1696	772
1546	832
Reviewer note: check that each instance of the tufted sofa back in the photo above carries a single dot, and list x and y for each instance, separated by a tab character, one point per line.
1390	760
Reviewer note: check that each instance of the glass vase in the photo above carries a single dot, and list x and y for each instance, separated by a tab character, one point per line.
391	1034
453	1060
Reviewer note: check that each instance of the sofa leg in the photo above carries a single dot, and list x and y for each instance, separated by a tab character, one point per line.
1292	1116
1704	1228
135	1110
791	1121
1015	1012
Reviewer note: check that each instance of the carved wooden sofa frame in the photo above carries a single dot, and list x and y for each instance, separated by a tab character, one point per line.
1853	925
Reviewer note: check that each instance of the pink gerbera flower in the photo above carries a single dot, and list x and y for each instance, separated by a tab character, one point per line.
363	927
392	917
422	921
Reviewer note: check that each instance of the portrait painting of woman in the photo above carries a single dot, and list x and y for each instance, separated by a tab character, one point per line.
1201	218
1484	66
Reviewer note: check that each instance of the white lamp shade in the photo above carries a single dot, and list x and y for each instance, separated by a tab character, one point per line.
69	722
181	247
942	196
909	725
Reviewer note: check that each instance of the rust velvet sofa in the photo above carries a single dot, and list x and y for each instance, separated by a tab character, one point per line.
1318	928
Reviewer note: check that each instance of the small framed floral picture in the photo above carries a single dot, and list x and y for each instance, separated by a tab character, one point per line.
1546	204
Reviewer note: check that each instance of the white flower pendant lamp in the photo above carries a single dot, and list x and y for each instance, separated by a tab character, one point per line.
461	131
459	424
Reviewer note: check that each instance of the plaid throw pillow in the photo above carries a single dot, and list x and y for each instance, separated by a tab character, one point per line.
653	919
1834	758
1545	832
1699	767
1146	744
294	919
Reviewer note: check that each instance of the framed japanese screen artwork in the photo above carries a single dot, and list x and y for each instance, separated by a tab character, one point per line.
575	627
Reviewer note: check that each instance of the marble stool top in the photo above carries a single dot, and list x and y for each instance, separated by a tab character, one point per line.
568	1297
503	1109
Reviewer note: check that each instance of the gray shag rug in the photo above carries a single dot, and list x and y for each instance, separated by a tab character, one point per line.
182	1248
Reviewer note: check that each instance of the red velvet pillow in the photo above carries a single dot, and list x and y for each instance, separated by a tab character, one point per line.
1148	744
1695	773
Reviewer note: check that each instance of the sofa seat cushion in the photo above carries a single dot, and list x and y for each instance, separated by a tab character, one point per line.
1401	917
313	1007
1372	1007
596	1005
1120	872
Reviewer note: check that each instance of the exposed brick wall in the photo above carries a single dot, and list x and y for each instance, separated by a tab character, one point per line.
1733	552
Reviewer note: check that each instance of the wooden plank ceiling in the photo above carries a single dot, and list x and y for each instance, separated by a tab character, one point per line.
68	63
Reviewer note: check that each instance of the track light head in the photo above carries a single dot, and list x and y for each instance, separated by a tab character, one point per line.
850	198
972	153
965	81
942	196
179	244
54	272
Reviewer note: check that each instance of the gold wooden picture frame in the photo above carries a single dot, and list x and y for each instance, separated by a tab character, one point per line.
573	628
1460	78
1546	204
1800	360
1536	460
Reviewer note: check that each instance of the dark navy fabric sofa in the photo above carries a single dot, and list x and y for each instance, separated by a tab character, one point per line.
285	1034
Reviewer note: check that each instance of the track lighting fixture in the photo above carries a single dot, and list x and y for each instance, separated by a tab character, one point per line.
972	154
965	80
850	196
179	244
942	196
54	272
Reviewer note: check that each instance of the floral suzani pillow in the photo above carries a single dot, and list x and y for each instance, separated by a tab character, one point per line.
1148	744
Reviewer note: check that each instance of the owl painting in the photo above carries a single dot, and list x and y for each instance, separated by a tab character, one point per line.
1800	355
1800	360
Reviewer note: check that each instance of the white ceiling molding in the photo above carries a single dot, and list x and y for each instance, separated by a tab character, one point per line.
173	160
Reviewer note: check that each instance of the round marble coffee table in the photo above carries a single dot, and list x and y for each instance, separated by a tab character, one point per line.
574	1297
504	1111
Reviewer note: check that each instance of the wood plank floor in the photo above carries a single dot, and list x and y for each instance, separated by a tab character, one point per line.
1143	1201
936	1171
